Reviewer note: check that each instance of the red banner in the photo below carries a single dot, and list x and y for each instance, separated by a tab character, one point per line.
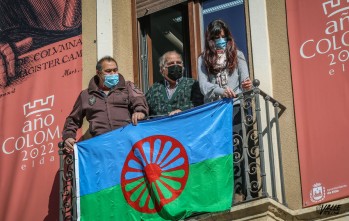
319	39
40	78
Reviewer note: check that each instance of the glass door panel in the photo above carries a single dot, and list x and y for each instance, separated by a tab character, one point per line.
168	32
231	12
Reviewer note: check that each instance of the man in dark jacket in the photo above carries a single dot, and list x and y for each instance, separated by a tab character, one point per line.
108	103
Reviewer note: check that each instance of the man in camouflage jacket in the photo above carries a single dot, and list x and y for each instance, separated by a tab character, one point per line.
174	93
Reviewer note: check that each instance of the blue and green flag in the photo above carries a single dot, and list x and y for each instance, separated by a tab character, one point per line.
162	169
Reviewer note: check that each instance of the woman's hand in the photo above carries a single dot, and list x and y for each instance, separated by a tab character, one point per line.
229	93
246	84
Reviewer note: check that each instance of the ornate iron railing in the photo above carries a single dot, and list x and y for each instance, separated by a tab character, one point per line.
257	173
257	164
67	191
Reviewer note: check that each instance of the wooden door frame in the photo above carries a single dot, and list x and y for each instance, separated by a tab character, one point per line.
194	19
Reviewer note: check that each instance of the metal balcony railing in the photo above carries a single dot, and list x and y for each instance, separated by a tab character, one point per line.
67	191
257	163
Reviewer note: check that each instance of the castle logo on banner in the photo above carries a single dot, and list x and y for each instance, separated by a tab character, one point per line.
39	131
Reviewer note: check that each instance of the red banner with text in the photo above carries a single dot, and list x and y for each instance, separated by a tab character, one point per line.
318	33
40	78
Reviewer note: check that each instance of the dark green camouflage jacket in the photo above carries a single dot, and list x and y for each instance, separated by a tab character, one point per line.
186	96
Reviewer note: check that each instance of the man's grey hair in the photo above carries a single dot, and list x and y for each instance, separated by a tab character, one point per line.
163	59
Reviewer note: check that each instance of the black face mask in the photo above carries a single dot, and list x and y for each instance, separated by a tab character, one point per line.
175	72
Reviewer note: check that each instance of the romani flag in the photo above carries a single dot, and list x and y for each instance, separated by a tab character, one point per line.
162	169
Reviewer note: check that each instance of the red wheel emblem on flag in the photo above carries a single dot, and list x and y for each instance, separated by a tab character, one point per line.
155	173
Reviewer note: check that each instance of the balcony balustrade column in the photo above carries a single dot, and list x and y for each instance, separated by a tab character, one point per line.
271	149
276	110
245	150
67	182
256	91
61	174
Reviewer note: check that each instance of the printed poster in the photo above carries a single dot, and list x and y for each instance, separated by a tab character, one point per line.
40	78
318	33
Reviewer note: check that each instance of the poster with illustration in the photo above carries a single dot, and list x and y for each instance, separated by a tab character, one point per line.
319	44
40	78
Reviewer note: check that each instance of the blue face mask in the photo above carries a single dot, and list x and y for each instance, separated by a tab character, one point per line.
221	43
111	80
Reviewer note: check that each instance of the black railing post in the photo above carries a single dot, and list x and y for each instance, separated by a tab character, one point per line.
61	174
260	136
277	126
74	195
67	184
245	149
271	149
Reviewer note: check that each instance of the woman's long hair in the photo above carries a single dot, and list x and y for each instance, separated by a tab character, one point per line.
210	54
